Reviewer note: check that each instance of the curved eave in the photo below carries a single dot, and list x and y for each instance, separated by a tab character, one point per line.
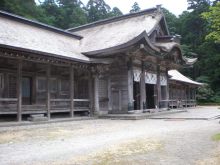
46	54
190	83
169	46
178	77
141	38
190	61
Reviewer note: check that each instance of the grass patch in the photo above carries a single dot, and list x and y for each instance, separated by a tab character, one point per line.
121	154
216	137
43	134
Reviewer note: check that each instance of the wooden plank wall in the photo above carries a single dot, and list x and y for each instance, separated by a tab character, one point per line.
119	86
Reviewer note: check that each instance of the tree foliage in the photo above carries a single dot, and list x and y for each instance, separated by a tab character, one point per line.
97	10
61	13
135	8
213	17
171	21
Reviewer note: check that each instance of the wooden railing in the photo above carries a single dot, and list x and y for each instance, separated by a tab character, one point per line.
8	99
79	104
181	103
9	106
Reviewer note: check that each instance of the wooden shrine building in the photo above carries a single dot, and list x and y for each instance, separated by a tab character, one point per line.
118	65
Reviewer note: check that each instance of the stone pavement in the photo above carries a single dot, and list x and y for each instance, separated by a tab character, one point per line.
195	113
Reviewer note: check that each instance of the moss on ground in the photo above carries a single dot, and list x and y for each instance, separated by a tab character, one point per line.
121	154
216	137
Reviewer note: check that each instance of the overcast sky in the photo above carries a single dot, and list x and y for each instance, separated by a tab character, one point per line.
174	6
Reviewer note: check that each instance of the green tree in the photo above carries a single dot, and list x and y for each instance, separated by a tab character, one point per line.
51	12
135	8
115	12
198	4
27	9
171	20
71	13
97	10
213	17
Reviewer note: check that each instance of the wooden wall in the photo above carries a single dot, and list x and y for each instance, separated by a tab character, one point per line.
119	86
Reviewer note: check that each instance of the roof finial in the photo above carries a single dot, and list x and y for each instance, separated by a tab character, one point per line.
159	8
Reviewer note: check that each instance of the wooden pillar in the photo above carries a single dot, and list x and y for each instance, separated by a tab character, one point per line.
185	89
91	94
48	90
167	89
109	95
96	95
195	97
19	91
120	100
130	87
71	91
158	87
142	89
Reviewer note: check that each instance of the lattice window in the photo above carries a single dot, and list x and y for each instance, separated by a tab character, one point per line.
53	85
12	86
103	88
41	84
64	86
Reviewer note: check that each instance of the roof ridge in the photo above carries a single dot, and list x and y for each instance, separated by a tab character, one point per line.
117	18
37	24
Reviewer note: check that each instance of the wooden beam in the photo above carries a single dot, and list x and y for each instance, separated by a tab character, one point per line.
71	91
19	91
48	90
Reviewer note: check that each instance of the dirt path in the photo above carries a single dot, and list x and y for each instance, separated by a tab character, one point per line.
112	142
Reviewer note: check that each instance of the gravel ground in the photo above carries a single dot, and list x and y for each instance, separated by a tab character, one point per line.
166	142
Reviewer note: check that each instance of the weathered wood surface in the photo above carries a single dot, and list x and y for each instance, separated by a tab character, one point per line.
96	94
71	91
19	90
48	90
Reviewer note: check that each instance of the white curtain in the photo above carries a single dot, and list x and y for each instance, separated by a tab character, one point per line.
137	75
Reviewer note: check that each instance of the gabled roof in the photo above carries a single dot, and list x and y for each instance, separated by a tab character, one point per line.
106	37
18	32
177	76
117	31
37	24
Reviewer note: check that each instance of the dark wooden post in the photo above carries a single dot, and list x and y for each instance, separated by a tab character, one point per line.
19	91
109	95
71	91
194	93
130	87
91	94
96	95
143	89
48	90
186	104
167	89
158	87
